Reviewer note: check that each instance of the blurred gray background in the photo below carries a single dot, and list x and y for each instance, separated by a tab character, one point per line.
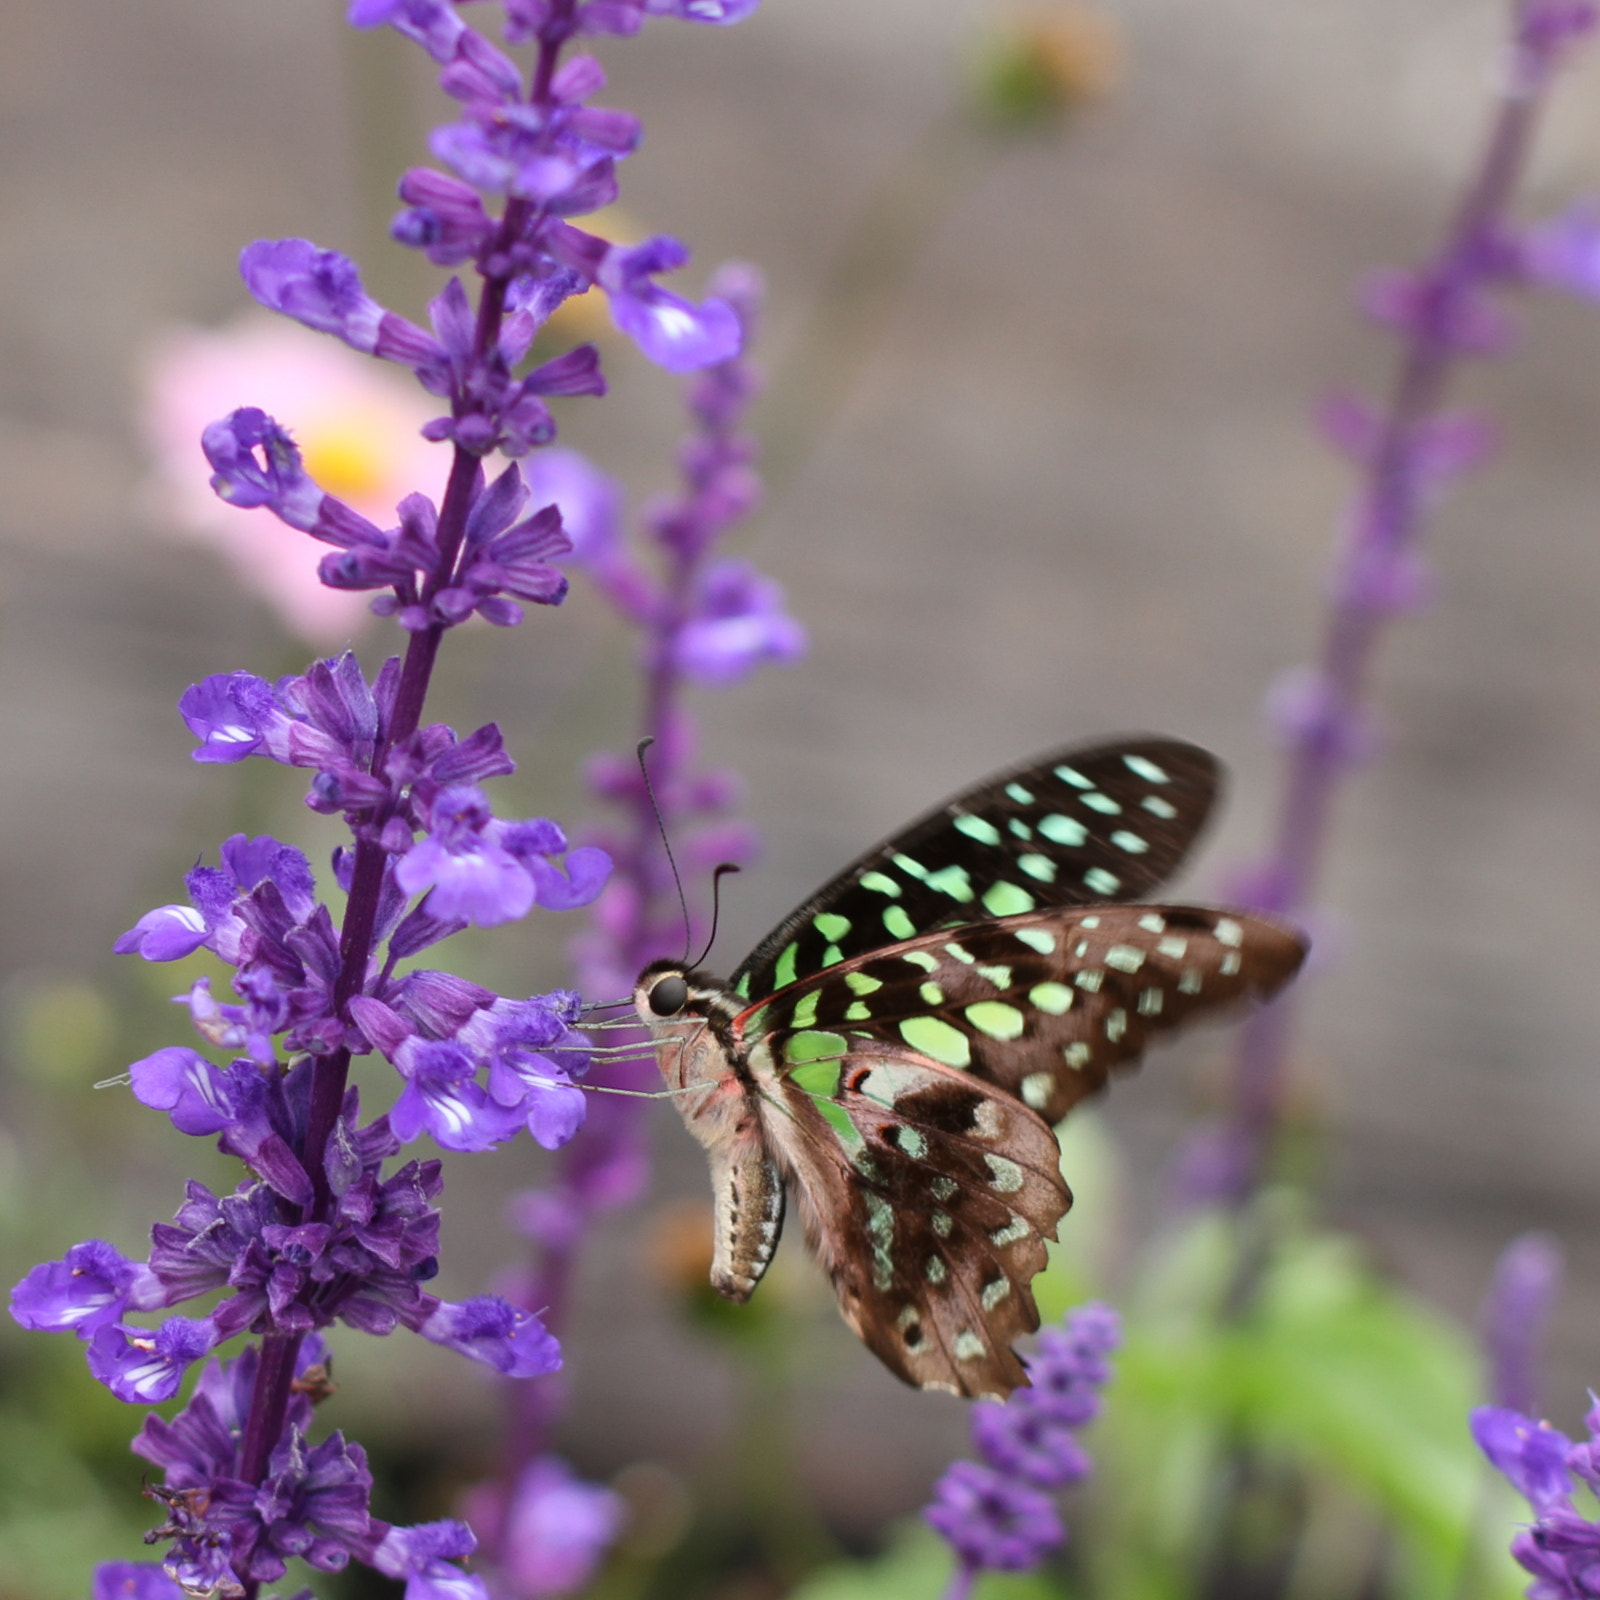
1073	491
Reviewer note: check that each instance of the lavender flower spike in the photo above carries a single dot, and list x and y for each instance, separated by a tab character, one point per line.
328	1223
1405	453
1000	1516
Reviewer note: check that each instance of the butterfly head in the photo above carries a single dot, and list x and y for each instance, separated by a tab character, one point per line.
662	991
670	991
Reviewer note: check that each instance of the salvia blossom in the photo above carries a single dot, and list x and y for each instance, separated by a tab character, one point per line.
1407	452
329	1223
1561	1548
356	423
1000	1514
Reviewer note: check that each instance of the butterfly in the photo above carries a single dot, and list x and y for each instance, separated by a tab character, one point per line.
896	1050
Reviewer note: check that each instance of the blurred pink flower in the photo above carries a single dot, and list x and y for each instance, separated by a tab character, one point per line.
355	421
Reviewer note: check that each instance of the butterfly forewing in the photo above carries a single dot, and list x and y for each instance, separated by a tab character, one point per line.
1043	1005
1072	827
927	1198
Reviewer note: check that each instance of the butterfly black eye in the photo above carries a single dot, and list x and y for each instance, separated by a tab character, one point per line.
669	996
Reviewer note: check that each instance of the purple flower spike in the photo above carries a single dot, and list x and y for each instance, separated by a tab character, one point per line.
145	1367
326	1224
1446	309
672	332
990	1520
1000	1515
497	1333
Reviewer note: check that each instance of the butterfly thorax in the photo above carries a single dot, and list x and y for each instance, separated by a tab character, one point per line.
702	1063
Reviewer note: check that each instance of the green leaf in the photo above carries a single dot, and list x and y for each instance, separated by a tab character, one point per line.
917	1565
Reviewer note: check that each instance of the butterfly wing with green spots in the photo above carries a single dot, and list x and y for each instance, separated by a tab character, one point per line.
1071	827
896	1049
1042	1005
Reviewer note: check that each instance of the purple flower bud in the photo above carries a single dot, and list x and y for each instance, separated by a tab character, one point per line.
497	1333
1527	1281
322	289
1547	29
1564	252
169	933
313	1505
145	1367
1457	316
1305	706
1029	1442
589	501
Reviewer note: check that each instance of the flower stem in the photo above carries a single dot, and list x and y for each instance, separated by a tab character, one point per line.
1389	512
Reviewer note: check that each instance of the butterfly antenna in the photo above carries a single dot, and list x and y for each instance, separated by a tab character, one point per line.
666	843
722	870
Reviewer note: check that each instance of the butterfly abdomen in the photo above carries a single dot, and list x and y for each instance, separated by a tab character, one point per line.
695	1054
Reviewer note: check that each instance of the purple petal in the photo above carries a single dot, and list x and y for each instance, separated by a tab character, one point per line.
721	13
183	1083
146	1367
134	1580
166	934
557	1529
587	869
501	1335
81	1293
1531	1455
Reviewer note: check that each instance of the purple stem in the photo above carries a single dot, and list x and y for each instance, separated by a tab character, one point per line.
612	1128
1390	516
613	1122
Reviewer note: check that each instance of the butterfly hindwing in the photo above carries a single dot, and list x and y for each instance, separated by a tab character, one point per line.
927	1197
1071	827
1042	1005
